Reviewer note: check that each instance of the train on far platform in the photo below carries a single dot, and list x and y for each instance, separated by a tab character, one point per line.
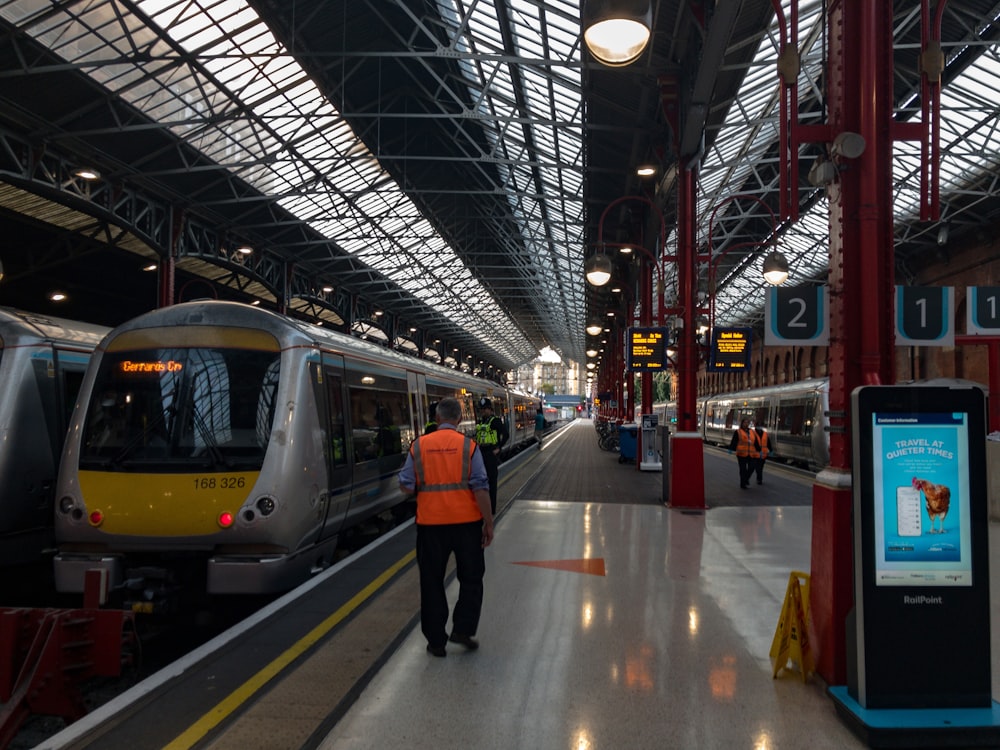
224	448
794	415
42	364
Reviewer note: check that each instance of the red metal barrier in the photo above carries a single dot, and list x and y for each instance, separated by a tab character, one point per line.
45	655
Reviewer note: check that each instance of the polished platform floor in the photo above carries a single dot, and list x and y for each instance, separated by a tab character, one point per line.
610	622
659	640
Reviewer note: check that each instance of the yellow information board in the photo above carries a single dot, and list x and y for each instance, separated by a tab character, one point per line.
731	348
647	349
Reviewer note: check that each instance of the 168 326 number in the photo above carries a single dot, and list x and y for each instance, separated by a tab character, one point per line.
222	483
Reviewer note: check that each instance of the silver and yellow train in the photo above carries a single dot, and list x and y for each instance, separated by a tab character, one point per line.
42	364
221	446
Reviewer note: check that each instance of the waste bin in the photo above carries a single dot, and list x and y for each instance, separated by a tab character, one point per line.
628	442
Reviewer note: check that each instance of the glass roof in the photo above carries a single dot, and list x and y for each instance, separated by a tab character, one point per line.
212	72
970	148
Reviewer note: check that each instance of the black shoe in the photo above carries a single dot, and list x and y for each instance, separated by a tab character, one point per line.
436	650
744	486
465	640
760	481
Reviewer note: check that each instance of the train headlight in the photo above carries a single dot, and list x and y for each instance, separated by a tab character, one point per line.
226	519
265	506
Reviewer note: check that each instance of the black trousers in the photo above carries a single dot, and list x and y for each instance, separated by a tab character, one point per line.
758	468
435	545
746	469
492	464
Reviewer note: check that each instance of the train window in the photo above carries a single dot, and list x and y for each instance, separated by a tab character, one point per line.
792	418
182	406
334	396
380	420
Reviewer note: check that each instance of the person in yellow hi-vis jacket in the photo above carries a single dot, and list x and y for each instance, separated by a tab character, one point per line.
491	434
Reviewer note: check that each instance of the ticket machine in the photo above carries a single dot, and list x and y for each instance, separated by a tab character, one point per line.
650	459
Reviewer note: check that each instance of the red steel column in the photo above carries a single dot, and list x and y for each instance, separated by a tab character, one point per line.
687	457
861	287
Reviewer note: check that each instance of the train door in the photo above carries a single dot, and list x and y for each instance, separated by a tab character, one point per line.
416	384
331	399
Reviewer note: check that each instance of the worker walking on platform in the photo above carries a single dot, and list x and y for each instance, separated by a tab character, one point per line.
761	448
742	443
539	426
445	470
491	434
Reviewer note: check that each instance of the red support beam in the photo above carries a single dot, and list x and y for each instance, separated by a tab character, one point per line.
862	346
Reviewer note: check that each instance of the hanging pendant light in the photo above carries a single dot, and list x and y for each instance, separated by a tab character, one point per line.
775	268
617	31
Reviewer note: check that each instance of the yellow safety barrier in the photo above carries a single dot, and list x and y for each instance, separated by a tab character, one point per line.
791	645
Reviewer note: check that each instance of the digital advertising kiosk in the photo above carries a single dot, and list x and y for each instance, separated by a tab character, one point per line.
918	651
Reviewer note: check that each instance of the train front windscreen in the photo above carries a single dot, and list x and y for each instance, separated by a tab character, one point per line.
180	408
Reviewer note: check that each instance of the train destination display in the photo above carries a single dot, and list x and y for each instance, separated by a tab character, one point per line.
731	349
647	349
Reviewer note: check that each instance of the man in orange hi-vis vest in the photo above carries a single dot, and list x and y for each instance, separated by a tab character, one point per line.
742	443
446	472
762	445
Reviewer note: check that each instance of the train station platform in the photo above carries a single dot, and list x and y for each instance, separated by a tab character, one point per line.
609	621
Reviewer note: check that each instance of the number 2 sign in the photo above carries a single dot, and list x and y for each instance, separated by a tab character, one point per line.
797	315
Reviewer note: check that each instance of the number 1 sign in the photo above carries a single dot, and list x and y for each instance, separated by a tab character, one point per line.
983	310
924	316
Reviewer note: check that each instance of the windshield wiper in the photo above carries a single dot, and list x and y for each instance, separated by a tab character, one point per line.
141	436
218	459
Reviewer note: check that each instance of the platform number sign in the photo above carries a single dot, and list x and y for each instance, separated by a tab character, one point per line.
797	315
983	310
924	316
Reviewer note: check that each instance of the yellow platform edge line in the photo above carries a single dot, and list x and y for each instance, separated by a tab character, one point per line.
197	731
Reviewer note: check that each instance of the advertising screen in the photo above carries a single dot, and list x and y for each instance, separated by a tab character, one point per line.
921	499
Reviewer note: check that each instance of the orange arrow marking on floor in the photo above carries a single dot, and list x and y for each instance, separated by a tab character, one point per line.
592	566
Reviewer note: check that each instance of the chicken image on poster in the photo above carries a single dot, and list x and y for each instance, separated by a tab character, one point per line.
921	492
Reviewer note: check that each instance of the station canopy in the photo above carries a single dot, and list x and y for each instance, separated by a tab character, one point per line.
447	165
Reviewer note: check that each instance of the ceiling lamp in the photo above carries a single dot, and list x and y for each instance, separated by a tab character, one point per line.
598	269
87	173
645	170
775	268
594	327
617	31
592	352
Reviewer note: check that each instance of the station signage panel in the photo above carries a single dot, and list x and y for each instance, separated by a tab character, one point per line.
924	316
731	349
647	349
983	310
797	315
921	564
